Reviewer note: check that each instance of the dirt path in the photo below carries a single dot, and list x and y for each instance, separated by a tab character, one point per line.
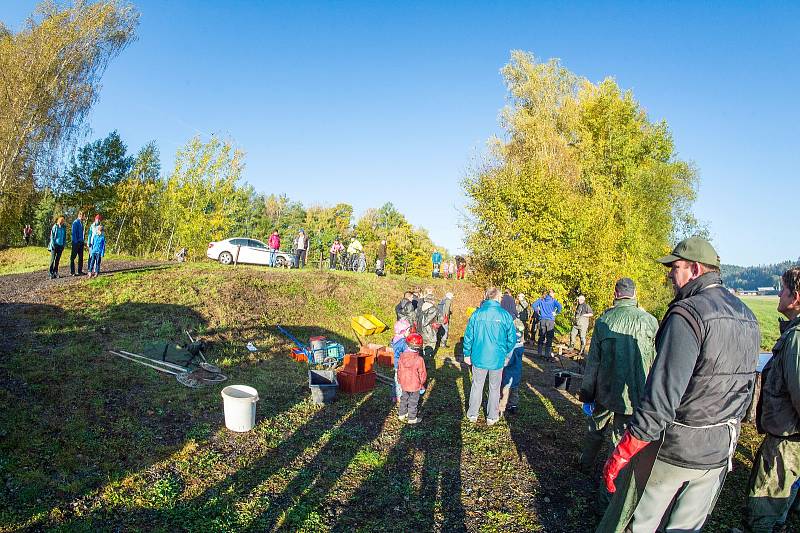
32	287
17	291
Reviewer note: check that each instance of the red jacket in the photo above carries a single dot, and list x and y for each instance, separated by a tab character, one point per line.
274	242
411	371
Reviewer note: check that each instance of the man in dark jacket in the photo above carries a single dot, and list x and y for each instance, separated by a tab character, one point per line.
508	303
777	464
380	263
405	309
681	439
428	320
77	245
617	366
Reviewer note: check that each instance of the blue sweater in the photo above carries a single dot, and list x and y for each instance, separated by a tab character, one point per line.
77	232
99	245
548	307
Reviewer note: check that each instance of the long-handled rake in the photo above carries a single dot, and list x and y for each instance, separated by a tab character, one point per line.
183	375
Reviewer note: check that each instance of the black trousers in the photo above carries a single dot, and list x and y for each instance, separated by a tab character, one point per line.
408	404
77	251
55	258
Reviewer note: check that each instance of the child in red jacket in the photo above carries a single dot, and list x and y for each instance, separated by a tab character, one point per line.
412	375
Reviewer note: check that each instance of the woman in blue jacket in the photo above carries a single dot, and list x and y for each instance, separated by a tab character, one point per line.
58	237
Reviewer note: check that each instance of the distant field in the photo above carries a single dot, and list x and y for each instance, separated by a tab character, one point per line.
765	309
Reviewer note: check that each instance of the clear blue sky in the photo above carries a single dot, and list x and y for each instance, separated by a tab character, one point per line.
369	102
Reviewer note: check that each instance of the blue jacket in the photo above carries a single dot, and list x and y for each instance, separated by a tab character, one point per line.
490	336
77	232
548	307
99	245
512	372
58	236
436	258
399	347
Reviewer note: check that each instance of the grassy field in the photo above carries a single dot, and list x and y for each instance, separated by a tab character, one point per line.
33	258
91	443
765	309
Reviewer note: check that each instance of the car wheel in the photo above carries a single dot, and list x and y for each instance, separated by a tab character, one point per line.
225	258
280	262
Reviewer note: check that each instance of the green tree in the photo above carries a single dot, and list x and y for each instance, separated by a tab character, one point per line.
49	78
89	182
584	189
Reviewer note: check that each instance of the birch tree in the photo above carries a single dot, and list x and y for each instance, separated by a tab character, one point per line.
49	78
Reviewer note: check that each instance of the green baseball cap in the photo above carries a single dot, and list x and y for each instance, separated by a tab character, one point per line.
693	249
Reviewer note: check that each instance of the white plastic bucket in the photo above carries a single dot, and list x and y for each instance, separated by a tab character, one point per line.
239	402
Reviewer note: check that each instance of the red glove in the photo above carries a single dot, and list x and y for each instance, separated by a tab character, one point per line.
627	448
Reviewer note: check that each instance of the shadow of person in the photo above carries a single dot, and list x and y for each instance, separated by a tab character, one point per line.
427	456
77	417
545	432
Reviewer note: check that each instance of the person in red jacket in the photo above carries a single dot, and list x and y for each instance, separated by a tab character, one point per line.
412	375
274	246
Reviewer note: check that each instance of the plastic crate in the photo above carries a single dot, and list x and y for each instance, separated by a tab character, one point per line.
380	327
358	363
355	383
323	385
299	355
362	325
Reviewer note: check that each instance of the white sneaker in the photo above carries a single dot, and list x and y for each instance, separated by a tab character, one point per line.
492	421
402	417
414	420
473	419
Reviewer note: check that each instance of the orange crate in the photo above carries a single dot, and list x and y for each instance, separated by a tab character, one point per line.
371	349
355	383
298	355
386	359
358	363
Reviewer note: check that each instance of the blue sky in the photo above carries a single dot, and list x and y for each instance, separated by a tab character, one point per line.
369	102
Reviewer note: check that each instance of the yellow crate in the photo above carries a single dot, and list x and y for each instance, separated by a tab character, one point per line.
380	327
362	325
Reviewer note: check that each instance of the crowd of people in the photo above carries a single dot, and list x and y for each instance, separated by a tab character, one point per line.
671	395
94	241
453	268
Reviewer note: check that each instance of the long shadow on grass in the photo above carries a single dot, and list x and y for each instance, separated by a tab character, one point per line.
388	499
72	416
547	432
287	485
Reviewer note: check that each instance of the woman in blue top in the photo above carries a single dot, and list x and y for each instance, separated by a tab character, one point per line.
58	236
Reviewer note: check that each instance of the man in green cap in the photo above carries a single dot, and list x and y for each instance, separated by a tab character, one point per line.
777	464
680	440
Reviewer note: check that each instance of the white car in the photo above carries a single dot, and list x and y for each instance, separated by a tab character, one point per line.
243	250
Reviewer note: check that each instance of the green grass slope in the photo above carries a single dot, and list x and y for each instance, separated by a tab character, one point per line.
89	442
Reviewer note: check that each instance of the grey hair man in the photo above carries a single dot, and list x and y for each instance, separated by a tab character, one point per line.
489	338
580	323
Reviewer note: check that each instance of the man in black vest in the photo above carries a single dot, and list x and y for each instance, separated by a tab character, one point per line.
681	438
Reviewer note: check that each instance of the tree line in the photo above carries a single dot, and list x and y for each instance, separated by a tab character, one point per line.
752	277
203	199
